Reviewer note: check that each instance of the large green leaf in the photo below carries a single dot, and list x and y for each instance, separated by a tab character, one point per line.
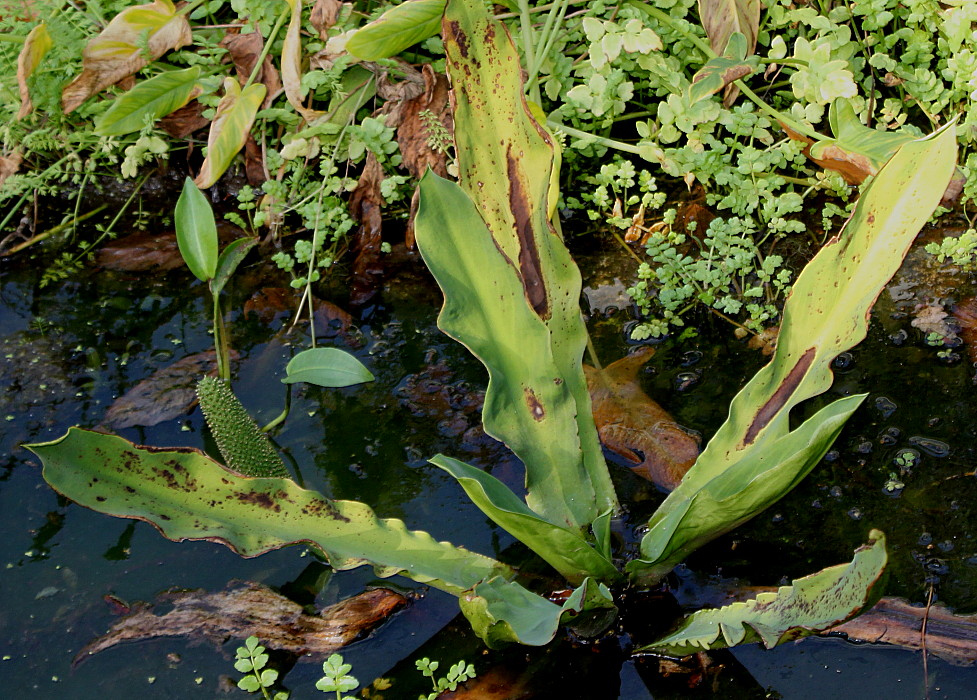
151	99
564	549
397	29
826	313
511	289
808	606
196	232
188	496
328	367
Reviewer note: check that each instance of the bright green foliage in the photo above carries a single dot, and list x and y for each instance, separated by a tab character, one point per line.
960	250
252	660
508	280
458	673
149	100
196	232
328	367
808	606
754	458
399	28
245	448
336	678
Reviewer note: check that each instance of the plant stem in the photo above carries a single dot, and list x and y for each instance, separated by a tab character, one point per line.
276	421
609	143
528	49
267	47
53	231
220	344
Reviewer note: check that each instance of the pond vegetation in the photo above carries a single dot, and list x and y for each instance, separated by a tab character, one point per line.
497	168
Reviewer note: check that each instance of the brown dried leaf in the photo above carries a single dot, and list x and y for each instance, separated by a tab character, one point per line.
631	424
365	204
122	48
254	163
931	318
413	132
140	252
951	637
244	50
166	394
10	165
966	314
184	121
252	609
324	15
292	63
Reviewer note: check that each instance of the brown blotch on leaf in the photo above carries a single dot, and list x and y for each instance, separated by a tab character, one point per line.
252	609
244	50
535	406
529	264
631	424
781	396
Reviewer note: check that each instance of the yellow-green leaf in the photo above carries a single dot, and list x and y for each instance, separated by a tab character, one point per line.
35	46
153	98
134	38
398	28
230	129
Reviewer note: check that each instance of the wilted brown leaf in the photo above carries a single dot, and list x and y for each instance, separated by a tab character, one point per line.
292	63
230	129
951	637
135	37
324	15
10	165
184	121
966	314
244	50
720	18
254	163
631	424
365	204
139	252
167	393
252	609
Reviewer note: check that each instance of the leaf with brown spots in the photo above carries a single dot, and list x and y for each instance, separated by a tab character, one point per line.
247	609
634	426
187	495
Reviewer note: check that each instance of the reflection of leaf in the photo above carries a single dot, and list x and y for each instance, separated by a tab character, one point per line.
35	46
250	608
135	37
631	424
230	129
722	70
164	395
809	605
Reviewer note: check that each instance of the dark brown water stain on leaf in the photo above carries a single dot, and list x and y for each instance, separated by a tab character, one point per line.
252	609
633	425
166	394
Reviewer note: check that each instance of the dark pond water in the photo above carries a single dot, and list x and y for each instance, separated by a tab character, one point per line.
70	350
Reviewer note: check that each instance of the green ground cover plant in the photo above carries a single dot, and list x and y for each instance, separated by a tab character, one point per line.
729	100
511	297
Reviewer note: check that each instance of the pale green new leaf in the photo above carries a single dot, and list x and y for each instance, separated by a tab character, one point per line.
808	606
397	29
229	130
511	288
196	232
151	99
328	367
562	548
826	313
188	496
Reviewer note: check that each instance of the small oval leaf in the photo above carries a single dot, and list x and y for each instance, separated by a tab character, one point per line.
328	367
397	29
154	98
228	261
196	232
